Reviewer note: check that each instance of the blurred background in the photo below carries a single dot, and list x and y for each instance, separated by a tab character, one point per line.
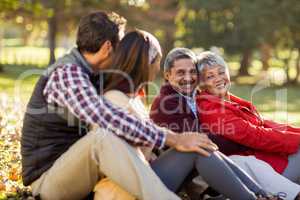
260	39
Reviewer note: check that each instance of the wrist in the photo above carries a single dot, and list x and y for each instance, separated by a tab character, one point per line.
171	138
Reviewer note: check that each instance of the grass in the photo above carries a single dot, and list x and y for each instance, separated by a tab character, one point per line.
12	106
8	80
27	55
276	103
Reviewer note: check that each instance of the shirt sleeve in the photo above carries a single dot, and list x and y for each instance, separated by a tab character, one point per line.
229	125
70	87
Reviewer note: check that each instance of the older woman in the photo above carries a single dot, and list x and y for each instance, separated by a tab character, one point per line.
238	120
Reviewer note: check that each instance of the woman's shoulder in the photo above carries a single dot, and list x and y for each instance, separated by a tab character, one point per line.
117	97
207	101
238	99
133	105
115	93
210	105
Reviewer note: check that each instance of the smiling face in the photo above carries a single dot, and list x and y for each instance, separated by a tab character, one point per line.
182	76
216	80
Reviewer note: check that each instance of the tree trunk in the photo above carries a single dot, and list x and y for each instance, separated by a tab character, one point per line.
169	40
287	66
265	52
1	47
287	69
52	32
298	67
245	62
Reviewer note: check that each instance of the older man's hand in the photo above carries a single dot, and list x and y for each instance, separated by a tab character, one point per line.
191	142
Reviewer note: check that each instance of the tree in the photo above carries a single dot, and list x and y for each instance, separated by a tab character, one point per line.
155	16
289	37
62	16
239	26
59	14
265	54
27	9
8	8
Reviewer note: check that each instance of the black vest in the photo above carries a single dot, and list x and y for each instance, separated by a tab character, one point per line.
49	130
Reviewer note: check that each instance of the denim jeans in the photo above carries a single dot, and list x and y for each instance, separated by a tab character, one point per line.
217	170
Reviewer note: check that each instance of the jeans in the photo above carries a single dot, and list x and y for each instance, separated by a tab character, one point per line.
217	170
292	171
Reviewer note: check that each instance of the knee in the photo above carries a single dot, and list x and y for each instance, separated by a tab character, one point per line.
99	137
212	159
98	133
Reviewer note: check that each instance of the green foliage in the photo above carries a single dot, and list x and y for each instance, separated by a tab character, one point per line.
289	17
243	27
9	8
236	25
62	16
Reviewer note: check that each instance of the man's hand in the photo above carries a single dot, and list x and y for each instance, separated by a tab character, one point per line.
191	142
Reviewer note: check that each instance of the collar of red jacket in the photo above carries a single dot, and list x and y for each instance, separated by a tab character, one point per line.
205	95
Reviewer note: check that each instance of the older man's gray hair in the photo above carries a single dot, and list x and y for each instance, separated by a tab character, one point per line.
209	59
176	54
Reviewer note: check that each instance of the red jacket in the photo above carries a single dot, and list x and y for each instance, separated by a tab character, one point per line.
238	120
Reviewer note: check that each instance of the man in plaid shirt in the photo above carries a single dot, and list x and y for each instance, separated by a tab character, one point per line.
60	158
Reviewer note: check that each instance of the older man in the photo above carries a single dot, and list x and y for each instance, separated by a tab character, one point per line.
175	106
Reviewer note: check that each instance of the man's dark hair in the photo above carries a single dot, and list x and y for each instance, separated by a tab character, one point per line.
96	28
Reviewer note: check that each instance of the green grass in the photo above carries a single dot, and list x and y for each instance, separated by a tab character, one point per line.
28	55
270	99
276	103
14	86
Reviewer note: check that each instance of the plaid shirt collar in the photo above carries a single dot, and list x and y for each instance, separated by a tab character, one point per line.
73	57
82	61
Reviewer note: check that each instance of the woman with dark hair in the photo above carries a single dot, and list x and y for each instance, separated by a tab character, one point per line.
136	62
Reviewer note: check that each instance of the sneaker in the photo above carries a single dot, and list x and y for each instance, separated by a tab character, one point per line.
279	196
211	194
219	197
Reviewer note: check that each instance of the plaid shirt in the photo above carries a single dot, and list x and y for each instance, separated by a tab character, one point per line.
70	87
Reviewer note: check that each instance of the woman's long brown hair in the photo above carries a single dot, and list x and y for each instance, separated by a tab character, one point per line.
132	58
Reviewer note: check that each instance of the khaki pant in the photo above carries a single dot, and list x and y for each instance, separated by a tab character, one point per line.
99	153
